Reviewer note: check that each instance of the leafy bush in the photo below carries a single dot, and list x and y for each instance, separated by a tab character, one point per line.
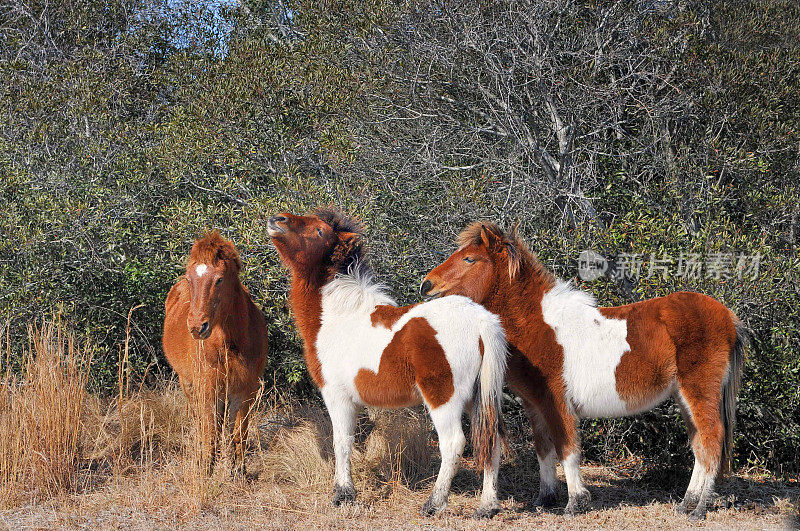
128	128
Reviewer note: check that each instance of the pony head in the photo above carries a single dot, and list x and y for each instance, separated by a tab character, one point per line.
213	274
319	245
485	256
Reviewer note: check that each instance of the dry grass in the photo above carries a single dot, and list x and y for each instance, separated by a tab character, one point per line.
41	416
70	459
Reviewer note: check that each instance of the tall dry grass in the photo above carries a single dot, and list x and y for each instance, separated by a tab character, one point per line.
142	446
41	415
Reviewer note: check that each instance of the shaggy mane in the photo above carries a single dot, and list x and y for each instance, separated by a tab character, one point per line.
339	221
347	259
212	247
521	260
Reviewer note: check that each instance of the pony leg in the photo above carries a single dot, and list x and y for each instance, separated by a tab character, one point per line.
568	448
342	412
578	495
555	431
240	436
210	421
546	455
706	444
692	491
490	504
447	421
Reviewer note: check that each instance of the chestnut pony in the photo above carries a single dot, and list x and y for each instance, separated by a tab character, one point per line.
362	349
571	359
215	338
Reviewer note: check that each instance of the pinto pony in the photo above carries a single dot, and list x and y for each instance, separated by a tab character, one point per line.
361	349
571	359
215	339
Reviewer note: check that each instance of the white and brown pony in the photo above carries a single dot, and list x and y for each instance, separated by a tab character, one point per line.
215	338
570	359
361	349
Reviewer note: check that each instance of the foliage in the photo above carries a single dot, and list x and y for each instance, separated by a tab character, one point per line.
638	127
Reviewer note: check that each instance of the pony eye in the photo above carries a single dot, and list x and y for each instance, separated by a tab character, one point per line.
219	281
469	260
319	231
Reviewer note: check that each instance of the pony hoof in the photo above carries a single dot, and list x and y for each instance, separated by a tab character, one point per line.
486	512
345	494
546	500
697	515
686	505
577	504
430	509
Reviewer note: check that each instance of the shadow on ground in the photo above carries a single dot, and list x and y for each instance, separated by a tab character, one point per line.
519	480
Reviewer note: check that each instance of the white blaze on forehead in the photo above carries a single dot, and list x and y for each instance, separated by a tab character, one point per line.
201	270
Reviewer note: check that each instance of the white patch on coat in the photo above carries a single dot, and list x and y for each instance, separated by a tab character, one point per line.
348	342
201	270
593	346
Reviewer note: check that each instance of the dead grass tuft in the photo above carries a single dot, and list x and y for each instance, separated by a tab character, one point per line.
142	430
297	457
41	416
397	452
392	451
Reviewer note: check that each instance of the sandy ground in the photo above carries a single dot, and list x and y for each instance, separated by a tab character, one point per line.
138	503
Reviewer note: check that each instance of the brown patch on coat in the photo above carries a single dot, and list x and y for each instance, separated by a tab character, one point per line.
414	356
664	349
387	315
647	370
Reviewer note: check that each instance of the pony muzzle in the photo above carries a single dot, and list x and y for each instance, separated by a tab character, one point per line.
426	286
429	291
274	224
201	331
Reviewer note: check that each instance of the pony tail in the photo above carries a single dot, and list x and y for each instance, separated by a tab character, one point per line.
730	389
487	426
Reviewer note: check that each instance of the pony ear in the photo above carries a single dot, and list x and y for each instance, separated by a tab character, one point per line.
489	239
227	253
348	242
352	237
513	253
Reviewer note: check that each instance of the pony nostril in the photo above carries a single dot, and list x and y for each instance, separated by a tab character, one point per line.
426	287
203	328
